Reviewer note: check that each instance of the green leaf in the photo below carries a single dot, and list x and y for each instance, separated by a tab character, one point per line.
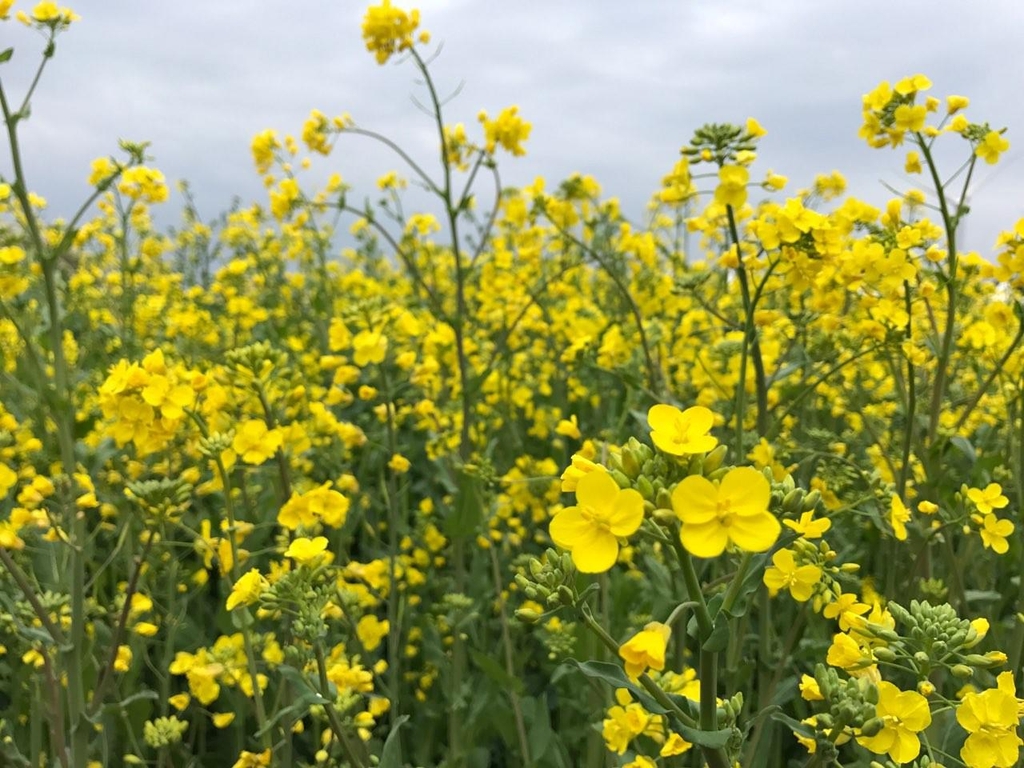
468	513
6	55
496	672
614	676
963	445
391	756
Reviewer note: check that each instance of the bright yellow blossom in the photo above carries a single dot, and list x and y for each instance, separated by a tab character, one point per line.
734	510
646	649
904	714
681	432
591	529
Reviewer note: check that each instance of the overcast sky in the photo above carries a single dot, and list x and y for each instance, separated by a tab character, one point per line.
613	89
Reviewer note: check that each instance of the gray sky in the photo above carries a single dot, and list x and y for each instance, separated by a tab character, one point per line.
613	89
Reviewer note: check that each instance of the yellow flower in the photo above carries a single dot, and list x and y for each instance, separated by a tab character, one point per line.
123	660
579	467
786	574
247	589
370	630
988	500
179	701
145	629
681	432
591	529
369	347
646	649
732	186
568	428
223	719
306	551
732	511
248	759
508	130
899	516
904	714
994	532
254	443
990	719
991	147
808	527
399	464
388	30
674	745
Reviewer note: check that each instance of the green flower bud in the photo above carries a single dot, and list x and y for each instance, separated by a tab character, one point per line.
713	460
622	481
696	465
566	595
885	654
664	499
536	567
811	501
643	485
793	500
961	670
664	515
872	726
528	615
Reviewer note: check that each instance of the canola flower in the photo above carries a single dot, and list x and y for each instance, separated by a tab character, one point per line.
591	529
732	511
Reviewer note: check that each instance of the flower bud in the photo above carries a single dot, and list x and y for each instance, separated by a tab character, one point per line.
528	615
643	485
872	726
793	500
885	654
663	499
811	500
621	479
713	460
961	670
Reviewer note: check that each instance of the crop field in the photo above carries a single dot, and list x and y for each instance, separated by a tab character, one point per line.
510	479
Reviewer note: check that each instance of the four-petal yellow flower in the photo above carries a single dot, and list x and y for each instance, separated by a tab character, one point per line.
591	529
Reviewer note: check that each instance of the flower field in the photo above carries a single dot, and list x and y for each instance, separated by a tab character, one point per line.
510	480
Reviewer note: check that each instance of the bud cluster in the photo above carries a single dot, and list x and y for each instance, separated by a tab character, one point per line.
934	636
850	702
550	583
719	143
164	499
254	363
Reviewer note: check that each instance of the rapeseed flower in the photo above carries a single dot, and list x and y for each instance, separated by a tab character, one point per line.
904	714
681	432
646	649
591	529
990	719
733	511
